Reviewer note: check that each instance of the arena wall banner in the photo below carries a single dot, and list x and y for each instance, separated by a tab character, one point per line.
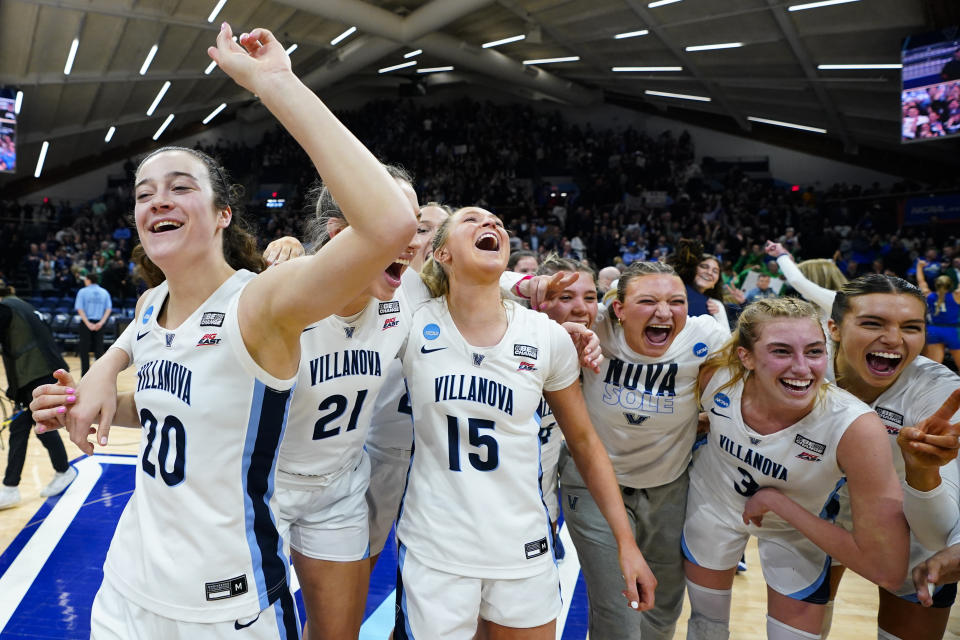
932	210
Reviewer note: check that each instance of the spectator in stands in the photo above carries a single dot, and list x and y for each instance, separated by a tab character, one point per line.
523	262
93	305
951	70
606	278
762	290
30	356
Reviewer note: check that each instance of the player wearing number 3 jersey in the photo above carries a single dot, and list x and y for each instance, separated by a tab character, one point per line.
780	440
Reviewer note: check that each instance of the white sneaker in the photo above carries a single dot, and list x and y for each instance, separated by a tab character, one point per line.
59	483
9	497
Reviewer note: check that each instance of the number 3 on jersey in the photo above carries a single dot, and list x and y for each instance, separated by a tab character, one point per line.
483	441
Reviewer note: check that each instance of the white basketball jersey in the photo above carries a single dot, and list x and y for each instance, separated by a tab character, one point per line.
645	409
918	392
473	505
391	425
800	461
343	365
197	541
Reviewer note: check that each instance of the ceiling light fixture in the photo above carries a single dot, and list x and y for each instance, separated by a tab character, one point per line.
434	69
708	47
398	66
413	54
216	10
146	63
210	68
213	114
110	132
631	34
681	96
660	3
156	101
552	60
642	69
789	125
163	127
43	156
291	48
497	43
845	67
68	67
343	36
817	5
18	103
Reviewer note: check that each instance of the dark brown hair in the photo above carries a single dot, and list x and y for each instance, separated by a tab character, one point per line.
239	244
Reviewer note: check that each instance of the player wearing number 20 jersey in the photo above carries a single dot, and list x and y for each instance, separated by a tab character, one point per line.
212	424
800	461
473	505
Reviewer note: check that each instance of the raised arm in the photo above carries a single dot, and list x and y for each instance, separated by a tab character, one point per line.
922	277
878	546
592	461
281	301
813	292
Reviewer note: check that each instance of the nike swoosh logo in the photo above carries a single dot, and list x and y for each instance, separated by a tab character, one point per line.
140	335
714	412
238	626
424	349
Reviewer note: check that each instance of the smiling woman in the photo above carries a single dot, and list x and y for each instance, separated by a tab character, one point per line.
476	367
205	483
780	440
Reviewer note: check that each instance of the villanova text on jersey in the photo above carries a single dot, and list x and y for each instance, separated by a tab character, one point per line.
350	362
749	457
166	376
482	390
623	380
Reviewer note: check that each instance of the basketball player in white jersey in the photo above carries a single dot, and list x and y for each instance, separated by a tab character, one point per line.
473	532
197	553
780	441
643	404
390	439
576	303
877	326
878	333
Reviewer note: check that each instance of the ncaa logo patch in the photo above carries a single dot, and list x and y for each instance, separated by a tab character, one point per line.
701	350
722	400
147	314
431	331
390	323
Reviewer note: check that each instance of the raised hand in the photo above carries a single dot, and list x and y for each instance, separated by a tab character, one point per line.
250	60
932	442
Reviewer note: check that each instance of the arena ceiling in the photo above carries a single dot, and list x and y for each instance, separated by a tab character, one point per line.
773	74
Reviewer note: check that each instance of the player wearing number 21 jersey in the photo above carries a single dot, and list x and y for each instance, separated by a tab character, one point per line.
212	426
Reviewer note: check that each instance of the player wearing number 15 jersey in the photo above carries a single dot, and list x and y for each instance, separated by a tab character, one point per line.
474	535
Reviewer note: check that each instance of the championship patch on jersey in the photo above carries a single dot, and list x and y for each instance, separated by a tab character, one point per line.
722	400
226	588
535	548
526	366
803	455
889	415
701	350
390	323
525	351
212	319
389	307
810	445
208	339
431	331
